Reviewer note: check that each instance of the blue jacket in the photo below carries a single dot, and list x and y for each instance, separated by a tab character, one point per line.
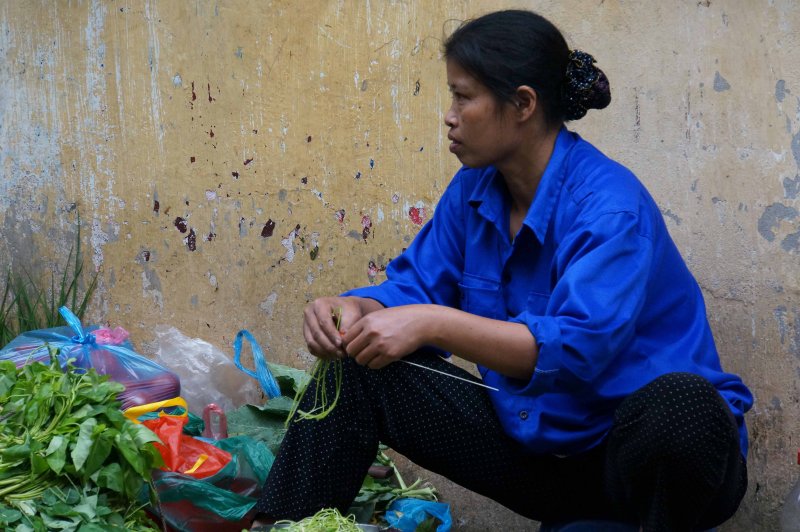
594	275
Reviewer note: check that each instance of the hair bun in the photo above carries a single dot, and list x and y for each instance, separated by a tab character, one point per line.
585	86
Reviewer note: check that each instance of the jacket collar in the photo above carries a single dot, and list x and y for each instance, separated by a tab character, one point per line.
490	196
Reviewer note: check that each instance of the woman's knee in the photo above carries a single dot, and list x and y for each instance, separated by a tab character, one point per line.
676	411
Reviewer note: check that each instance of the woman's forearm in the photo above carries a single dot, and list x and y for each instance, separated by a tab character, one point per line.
506	347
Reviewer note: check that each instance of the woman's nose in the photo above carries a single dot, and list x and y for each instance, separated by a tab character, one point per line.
450	118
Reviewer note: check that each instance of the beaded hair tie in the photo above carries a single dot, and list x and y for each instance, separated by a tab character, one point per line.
580	79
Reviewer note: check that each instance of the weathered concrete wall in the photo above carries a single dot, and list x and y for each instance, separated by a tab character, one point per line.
233	160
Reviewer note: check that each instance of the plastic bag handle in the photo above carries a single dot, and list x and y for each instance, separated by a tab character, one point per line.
74	323
134	412
262	373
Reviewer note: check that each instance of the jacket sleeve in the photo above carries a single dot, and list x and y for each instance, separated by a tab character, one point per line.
602	268
430	269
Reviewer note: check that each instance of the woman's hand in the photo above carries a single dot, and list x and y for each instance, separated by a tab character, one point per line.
387	335
321	317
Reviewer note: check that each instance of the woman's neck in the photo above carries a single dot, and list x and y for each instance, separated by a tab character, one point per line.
523	171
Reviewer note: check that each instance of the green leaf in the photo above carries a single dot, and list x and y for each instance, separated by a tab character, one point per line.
56	453
84	444
262	425
53	523
101	449
127	447
16	452
101	392
152	458
279	407
8	368
38	464
60	509
141	435
52	496
72	496
9	515
110	477
91	527
6	383
289	379
82	412
87	510
132	483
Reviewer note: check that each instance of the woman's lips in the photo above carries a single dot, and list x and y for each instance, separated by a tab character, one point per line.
454	144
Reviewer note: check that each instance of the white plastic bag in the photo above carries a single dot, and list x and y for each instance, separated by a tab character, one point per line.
207	374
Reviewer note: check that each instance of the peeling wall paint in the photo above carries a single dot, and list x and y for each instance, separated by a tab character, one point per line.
230	161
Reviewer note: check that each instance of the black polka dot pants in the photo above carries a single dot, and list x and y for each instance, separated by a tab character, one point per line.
673	454
671	461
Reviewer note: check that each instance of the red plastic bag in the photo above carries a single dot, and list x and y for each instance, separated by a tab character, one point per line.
183	453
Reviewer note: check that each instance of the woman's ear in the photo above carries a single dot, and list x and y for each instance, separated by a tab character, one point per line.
526	101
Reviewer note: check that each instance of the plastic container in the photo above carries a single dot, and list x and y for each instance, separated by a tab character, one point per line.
216	422
790	515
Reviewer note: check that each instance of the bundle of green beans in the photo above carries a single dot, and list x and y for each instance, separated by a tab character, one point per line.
69	458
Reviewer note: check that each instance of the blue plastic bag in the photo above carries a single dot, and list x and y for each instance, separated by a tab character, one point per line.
262	373
407	514
144	380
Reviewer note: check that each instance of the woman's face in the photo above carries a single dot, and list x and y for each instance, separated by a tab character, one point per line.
481	130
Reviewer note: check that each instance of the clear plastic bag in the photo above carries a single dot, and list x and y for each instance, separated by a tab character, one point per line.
207	374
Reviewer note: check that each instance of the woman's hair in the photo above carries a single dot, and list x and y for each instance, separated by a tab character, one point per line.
507	49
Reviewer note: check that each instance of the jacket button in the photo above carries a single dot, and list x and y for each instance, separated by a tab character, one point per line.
523	415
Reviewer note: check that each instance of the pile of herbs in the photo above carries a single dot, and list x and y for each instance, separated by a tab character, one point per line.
69	459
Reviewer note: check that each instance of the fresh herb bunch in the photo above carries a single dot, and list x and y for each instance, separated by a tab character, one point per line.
68	456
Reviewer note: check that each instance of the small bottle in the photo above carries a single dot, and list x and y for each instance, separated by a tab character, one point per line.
790	515
216	423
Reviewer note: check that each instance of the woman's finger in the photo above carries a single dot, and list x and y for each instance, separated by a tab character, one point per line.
365	355
317	340
326	321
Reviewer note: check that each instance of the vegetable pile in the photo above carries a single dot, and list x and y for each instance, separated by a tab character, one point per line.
69	459
326	520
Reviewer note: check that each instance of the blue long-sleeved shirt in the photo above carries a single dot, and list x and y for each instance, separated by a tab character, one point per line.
594	275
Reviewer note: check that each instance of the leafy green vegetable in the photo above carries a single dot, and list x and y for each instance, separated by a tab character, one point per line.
265	424
60	430
375	495
290	380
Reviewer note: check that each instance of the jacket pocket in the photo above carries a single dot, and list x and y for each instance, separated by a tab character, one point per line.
482	296
537	303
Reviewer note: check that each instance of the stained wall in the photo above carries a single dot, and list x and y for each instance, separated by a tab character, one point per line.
231	160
